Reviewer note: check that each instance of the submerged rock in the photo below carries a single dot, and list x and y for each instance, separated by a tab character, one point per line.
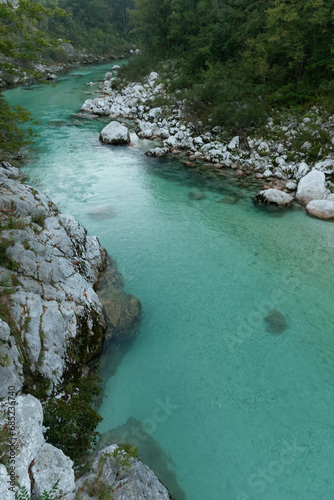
123	313
115	133
193	195
230	200
102	212
123	310
276	322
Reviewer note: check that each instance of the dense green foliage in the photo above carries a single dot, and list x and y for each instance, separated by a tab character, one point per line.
99	26
12	137
31	31
71	419
236	58
21	37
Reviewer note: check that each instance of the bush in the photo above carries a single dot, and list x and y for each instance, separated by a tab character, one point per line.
71	420
138	67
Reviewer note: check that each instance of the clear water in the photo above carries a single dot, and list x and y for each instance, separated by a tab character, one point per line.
237	412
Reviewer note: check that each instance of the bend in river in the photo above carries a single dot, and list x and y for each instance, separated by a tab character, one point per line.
234	406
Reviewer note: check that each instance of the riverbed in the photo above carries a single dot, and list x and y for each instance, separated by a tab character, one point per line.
220	407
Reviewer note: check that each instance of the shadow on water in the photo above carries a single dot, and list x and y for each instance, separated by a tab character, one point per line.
149	452
202	177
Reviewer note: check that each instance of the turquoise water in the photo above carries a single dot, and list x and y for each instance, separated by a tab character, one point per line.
237	412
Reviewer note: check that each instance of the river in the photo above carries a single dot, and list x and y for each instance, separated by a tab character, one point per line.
235	412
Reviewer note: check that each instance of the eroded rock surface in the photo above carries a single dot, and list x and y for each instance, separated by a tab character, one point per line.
48	274
124	477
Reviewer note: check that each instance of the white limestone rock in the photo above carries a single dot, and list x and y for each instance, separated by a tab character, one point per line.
312	187
274	196
234	143
301	169
267	173
263	148
50	465
291	185
29	421
4	331
326	166
137	482
152	78
158	152
5	493
115	133
324	209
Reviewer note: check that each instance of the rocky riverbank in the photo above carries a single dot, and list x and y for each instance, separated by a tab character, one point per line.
292	161
69	57
52	324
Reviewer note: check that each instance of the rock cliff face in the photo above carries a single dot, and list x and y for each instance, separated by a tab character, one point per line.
49	269
52	323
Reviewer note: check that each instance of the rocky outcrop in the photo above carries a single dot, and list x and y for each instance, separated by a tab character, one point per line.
323	209
52	467
273	196
52	321
115	133
312	187
48	274
38	465
115	472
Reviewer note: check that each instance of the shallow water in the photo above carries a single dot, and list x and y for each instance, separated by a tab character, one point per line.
237	412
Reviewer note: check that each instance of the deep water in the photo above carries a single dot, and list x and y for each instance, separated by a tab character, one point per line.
236	412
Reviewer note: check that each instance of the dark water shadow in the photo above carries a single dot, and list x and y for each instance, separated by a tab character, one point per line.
149	452
203	177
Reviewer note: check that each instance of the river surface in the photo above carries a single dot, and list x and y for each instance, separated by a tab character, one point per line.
219	407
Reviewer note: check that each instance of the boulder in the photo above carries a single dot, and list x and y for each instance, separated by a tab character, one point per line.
312	187
300	169
273	196
123	313
157	152
69	49
234	143
324	209
115	472
193	195
291	185
326	166
115	133
51	465
276	322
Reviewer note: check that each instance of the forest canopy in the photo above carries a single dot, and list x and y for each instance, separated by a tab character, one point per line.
232	53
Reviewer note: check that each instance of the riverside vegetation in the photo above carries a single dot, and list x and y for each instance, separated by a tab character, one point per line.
234	62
